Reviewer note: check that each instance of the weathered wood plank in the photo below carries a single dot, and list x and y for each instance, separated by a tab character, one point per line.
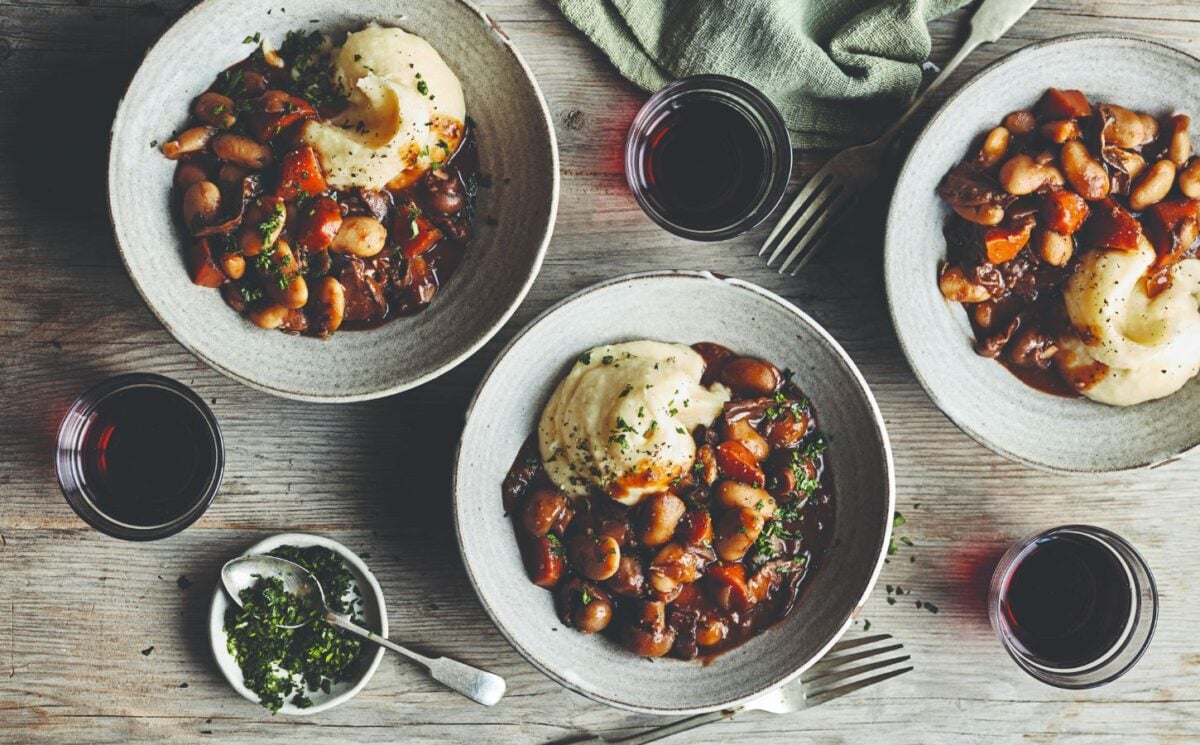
77	608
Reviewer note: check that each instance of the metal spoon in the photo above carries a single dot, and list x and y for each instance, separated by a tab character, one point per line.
241	573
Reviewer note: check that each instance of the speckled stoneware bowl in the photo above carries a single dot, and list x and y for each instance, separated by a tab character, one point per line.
979	395
516	148
373	610
682	307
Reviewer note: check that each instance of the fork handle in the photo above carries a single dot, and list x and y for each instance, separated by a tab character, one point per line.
658	733
991	20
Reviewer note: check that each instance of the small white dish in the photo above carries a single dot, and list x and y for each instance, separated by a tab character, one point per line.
373	610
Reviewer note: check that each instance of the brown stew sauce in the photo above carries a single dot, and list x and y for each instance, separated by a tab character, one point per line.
725	602
1012	245
429	223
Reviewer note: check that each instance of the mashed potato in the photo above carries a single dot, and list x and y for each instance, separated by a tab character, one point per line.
406	111
621	420
1129	347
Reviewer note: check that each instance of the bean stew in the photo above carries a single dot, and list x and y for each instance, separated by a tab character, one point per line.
1042	190
285	249
720	556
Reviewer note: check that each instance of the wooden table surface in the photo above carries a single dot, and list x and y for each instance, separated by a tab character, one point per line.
106	641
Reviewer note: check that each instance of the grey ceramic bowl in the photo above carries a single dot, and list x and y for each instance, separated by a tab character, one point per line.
516	147
979	395
683	307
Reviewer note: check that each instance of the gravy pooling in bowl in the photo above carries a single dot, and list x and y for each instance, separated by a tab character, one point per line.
326	188
717	555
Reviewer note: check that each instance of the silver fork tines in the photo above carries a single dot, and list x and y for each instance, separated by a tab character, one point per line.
849	666
830	694
823	201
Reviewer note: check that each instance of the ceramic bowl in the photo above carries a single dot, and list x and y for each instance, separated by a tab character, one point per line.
977	394
373	611
682	307
517	150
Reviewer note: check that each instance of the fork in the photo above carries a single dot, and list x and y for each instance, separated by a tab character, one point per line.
831	191
835	675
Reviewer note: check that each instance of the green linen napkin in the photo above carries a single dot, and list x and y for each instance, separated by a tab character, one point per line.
837	69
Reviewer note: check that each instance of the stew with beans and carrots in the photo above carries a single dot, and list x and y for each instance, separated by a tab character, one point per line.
1044	188
719	557
285	249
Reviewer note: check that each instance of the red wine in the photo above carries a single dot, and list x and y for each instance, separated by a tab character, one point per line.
1068	601
148	456
705	164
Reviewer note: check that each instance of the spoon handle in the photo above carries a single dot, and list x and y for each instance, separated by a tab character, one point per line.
478	685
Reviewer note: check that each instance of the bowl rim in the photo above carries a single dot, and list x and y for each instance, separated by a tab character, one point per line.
848	366
471	348
220	602
889	229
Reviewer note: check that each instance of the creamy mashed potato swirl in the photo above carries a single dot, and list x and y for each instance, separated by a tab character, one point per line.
1128	347
621	420
406	111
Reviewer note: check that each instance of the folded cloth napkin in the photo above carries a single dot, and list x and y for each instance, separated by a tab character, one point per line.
835	68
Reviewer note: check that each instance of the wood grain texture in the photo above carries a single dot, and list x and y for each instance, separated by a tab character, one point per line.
77	608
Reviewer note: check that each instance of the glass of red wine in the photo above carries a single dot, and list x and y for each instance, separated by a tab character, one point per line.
140	457
1075	606
708	157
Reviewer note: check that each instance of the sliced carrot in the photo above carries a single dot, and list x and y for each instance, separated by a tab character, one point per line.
317	223
275	111
696	528
1112	226
416	235
726	582
300	175
202	265
1064	211
1060	104
1163	221
1003	242
737	462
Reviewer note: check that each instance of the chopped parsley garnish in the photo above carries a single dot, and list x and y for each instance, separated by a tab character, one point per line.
255	39
815	448
250	294
800	466
308	57
586	358
271	225
230	83
627	390
279	663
